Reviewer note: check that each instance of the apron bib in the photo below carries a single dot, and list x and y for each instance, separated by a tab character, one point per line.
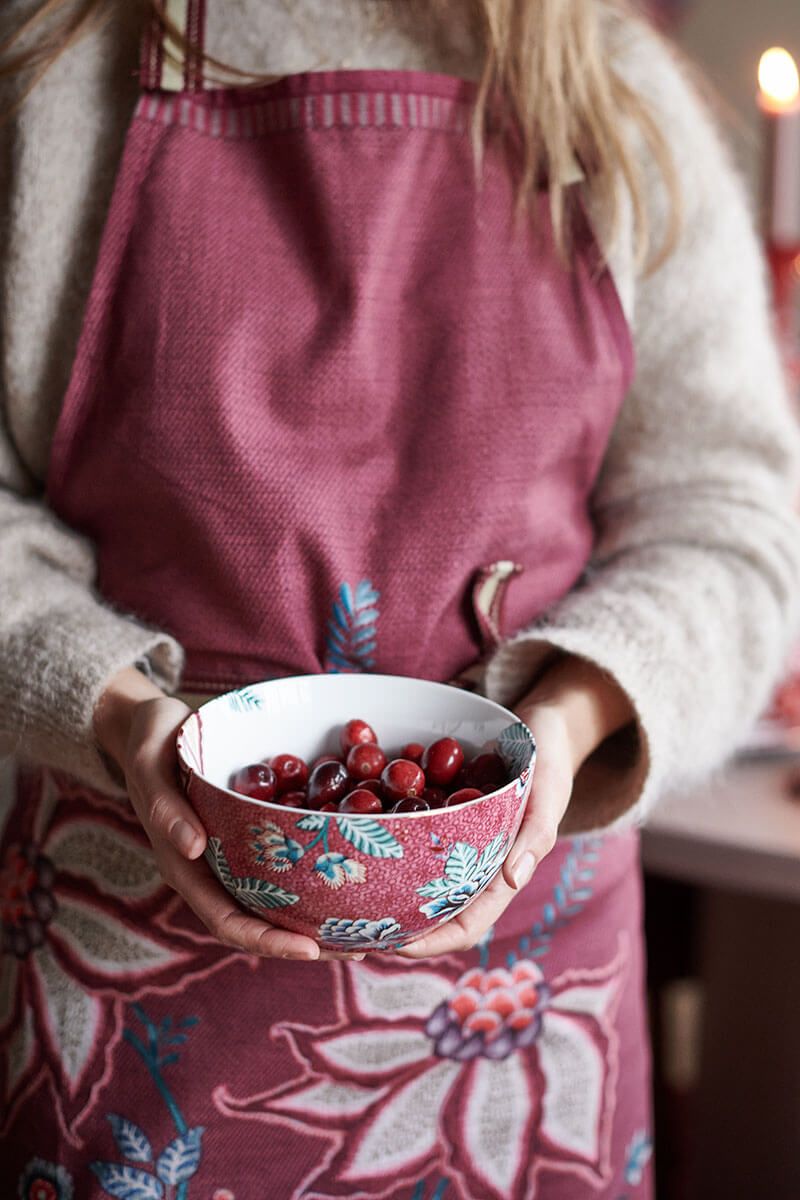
325	396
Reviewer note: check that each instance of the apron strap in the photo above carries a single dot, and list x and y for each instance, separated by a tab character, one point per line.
163	65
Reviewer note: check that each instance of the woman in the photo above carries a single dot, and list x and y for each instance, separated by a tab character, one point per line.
314	354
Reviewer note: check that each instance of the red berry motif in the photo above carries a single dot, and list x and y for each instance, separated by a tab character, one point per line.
442	761
360	801
413	751
290	771
400	778
411	804
487	772
327	783
355	733
256	781
462	795
366	761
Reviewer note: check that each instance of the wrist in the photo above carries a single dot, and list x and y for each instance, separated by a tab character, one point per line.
113	713
590	703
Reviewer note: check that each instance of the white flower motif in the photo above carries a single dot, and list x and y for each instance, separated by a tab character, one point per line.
341	931
491	1076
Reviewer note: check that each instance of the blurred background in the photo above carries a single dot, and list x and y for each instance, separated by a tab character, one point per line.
723	864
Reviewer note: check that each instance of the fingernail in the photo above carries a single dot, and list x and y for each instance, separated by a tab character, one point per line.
184	837
412	951
310	955
358	957
523	868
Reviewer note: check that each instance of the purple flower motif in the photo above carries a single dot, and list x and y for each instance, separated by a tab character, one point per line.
490	1013
44	1181
27	903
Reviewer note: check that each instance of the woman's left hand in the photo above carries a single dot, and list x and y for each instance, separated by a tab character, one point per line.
570	712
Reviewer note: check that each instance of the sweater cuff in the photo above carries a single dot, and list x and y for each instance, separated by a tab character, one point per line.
52	702
618	782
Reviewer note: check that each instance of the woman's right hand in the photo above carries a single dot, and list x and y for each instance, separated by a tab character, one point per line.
136	725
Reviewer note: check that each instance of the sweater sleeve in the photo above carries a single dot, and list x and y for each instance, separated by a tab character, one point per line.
59	642
691	598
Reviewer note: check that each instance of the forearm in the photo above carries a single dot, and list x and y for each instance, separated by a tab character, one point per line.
113	712
592	705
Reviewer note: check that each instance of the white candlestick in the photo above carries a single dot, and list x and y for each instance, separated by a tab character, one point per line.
779	100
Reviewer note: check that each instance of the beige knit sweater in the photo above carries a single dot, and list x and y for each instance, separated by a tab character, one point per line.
692	596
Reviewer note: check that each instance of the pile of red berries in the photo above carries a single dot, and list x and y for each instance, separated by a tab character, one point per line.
362	779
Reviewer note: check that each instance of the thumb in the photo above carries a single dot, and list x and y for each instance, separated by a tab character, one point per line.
547	803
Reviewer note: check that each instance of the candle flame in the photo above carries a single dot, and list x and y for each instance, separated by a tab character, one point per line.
778	78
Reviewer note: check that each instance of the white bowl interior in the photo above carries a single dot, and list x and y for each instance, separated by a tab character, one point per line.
304	714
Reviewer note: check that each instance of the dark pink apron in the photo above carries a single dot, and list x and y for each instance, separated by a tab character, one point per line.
322	388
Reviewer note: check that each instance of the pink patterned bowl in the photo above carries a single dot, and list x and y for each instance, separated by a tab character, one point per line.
352	882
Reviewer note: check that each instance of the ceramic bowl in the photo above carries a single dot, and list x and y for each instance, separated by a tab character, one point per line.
352	882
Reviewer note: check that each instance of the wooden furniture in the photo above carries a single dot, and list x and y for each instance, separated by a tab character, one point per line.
723	871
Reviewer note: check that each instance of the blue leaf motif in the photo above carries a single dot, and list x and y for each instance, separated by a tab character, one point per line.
491	855
516	747
130	1139
254	893
244	700
312	822
461	863
435	887
639	1152
181	1158
127	1183
370	837
351	640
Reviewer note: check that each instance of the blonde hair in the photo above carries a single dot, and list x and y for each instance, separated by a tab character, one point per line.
545	61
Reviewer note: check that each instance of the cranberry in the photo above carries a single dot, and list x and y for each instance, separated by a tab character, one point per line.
487	772
436	797
366	761
330	807
325	758
355	733
442	761
290	771
328	783
413	751
411	804
256	781
402	778
360	801
370	785
293	800
462	795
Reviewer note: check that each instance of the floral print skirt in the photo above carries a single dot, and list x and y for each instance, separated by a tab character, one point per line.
140	1059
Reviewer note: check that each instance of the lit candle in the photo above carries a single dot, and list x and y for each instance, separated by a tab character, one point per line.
779	100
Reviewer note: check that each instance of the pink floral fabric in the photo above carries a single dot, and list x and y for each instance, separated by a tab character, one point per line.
140	1059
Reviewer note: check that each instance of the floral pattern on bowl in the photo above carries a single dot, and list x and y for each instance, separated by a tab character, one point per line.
374	882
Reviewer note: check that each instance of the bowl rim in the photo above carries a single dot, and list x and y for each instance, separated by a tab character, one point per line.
272	806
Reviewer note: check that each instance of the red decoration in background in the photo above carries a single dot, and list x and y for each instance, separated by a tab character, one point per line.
779	101
666	13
